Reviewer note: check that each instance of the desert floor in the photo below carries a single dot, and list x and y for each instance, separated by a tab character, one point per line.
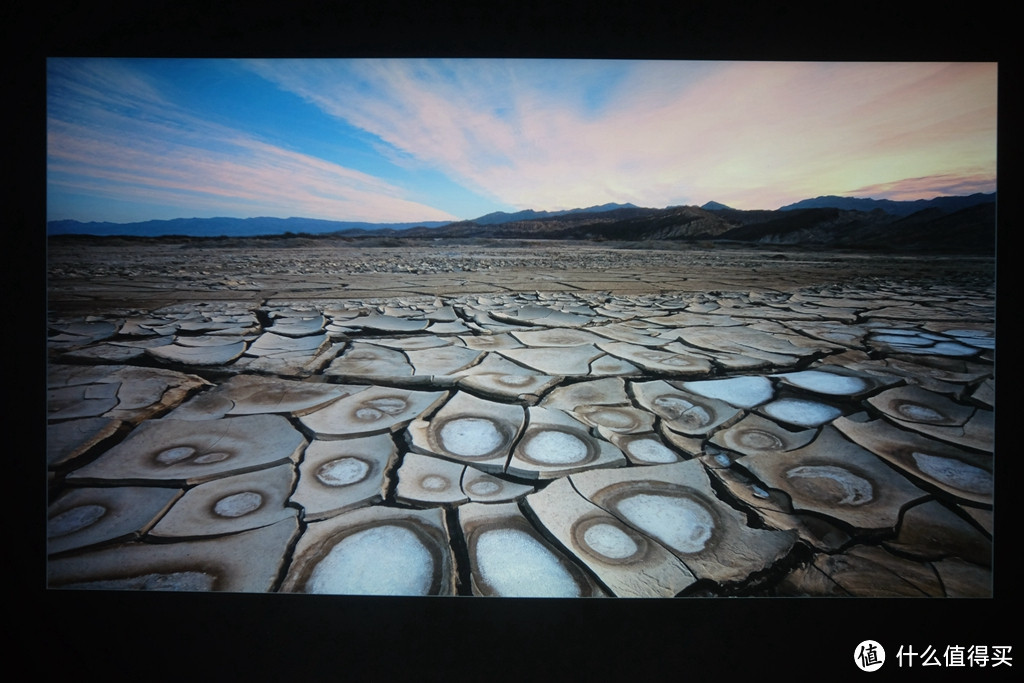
518	419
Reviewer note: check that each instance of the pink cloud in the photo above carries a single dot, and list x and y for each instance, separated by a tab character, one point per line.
747	130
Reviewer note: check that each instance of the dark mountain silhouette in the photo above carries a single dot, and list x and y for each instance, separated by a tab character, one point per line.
899	208
224	227
500	217
942	224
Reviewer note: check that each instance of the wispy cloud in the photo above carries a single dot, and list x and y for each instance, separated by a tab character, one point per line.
747	132
391	136
113	127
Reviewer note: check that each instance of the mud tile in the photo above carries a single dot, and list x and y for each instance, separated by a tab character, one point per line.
65	441
961	579
684	412
362	360
867	571
336	476
485	488
672	360
755	434
615	419
836	478
377	410
470	430
932	531
629	563
608	391
563	361
83	517
556	337
207	354
180	452
775	510
247	562
298	326
963	474
676	506
232	504
442	361
938	417
554	445
427	481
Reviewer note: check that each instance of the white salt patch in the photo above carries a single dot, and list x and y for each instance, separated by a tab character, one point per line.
175	455
681	523
74	519
610	541
759	440
918	412
852	489
697	416
552	447
471	436
342	472
515	380
673	406
238	504
826	382
368	414
801	412
742	392
649	450
953	349
392	405
434	482
484	487
515	564
955	473
381	560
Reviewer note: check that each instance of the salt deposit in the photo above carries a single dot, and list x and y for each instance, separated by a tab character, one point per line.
515	564
382	560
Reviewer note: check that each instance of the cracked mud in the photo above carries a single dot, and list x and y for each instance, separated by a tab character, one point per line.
521	421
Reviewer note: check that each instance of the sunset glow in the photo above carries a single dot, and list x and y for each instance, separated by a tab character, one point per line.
437	140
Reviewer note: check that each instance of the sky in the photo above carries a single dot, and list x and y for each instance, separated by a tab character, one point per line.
399	140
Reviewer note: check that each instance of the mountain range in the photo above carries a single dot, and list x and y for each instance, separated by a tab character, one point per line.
943	223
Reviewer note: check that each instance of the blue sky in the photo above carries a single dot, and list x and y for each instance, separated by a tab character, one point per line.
400	140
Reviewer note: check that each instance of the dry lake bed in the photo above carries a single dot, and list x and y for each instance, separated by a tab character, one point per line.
529	419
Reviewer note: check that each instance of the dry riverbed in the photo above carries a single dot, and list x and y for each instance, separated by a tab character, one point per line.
518	419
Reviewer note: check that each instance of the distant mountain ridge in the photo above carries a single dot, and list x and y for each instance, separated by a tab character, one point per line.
225	227
944	224
499	217
899	208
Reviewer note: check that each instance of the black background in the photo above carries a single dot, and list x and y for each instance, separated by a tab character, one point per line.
276	637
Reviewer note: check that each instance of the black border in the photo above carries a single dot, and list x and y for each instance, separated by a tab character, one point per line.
273	636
